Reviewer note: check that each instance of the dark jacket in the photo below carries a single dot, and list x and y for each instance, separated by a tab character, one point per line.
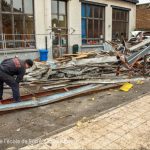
14	67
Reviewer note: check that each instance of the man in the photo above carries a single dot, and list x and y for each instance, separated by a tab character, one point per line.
10	68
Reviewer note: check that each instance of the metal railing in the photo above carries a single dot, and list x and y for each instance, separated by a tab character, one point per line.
60	43
17	41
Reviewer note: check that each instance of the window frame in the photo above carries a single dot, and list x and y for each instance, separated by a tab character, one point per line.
93	18
58	14
24	35
125	21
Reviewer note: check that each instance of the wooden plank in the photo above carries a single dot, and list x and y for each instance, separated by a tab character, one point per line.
70	55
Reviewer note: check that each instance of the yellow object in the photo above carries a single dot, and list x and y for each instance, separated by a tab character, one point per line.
140	82
79	124
126	87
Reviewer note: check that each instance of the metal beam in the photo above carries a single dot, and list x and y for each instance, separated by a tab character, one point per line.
121	8
56	97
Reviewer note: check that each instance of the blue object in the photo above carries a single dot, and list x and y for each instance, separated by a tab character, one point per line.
83	10
84	28
43	54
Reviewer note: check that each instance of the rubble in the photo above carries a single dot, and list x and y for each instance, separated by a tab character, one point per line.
140	45
137	62
93	68
109	81
98	67
87	67
38	71
85	72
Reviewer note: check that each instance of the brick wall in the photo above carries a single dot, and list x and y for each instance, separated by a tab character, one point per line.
143	17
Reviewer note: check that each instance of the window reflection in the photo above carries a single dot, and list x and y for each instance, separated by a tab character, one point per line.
84	28
7	23
6	5
17	5
59	26
1	45
59	14
96	35
120	24
54	21
62	8
54	7
89	12
29	24
96	12
18	24
28	6
15	22
62	21
92	24
83	10
90	28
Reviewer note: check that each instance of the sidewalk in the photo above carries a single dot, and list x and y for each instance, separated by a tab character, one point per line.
127	127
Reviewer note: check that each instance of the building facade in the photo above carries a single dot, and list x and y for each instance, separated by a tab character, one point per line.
143	17
29	25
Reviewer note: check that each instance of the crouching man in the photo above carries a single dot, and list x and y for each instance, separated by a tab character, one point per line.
11	72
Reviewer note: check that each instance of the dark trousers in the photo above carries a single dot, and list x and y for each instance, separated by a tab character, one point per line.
10	81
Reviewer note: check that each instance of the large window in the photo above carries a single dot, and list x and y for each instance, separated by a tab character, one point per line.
93	23
59	14
17	24
120	24
59	27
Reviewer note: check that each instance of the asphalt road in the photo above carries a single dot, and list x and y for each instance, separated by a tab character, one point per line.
39	122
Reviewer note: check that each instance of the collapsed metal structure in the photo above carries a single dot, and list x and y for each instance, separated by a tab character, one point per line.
77	74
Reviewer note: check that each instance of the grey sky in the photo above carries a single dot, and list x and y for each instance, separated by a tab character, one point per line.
144	1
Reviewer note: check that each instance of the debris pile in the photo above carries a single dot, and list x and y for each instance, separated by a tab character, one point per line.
83	55
139	36
37	72
76	74
93	67
123	63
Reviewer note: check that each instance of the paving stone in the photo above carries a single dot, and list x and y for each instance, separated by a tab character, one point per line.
99	143
127	127
114	146
122	142
120	132
112	136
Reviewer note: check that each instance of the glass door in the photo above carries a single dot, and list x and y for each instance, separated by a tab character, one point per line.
59	28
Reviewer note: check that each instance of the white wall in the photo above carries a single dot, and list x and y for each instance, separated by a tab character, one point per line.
74	23
43	24
48	27
39	23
